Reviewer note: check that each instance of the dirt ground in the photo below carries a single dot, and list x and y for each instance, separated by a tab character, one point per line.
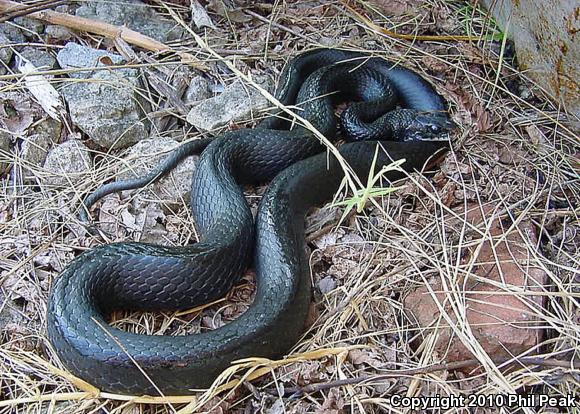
514	150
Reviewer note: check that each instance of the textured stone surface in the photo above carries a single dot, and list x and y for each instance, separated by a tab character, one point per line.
34	149
42	137
12	32
40	58
502	323
106	106
75	56
133	14
31	27
67	163
5	145
58	33
5	53
147	154
198	90
237	102
544	34
9	313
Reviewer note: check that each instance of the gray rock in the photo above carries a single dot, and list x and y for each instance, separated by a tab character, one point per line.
326	285
40	58
34	149
107	110
106	106
32	28
36	145
75	56
9	314
67	163
66	8
5	53
133	14
57	32
13	33
47	126
5	146
8	34
237	102
198	90
147	154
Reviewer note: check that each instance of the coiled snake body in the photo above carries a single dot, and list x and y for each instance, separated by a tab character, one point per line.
150	277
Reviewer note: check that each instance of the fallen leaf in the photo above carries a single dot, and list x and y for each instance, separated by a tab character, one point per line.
16	113
46	95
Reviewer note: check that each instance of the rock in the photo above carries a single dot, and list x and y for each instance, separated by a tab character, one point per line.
9	313
40	58
5	147
8	34
544	35
34	149
5	53
13	33
47	126
198	90
67	163
106	110
107	106
58	33
326	285
501	323
133	14
66	8
147	154
41	138
238	102
32	27
74	56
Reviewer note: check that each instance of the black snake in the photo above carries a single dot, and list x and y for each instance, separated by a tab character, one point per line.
149	277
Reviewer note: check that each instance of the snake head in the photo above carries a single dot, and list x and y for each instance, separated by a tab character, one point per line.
429	127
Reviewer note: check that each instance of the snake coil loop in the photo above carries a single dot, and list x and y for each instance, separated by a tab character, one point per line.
150	277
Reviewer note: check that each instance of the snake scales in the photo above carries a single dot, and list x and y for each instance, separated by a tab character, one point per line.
149	277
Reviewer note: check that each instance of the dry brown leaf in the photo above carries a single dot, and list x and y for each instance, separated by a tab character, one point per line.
16	112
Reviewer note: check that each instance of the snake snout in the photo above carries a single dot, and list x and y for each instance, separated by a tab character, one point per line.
429	127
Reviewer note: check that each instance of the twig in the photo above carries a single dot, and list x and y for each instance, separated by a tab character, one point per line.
27	9
88	25
97	27
423	370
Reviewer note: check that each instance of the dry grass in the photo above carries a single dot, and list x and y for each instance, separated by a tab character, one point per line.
515	151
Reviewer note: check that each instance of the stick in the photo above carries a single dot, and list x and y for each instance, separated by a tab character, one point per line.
416	371
24	10
97	27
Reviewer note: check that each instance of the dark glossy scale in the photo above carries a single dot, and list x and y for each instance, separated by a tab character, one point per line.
149	277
